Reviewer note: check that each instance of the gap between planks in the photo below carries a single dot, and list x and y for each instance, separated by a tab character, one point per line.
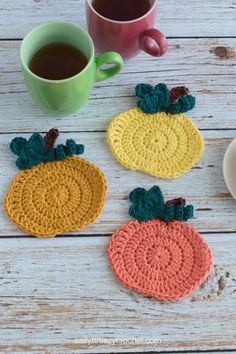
185	18
34	299
215	208
180	352
170	37
210	78
103	131
74	235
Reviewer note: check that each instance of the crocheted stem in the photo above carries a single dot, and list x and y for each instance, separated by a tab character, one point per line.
149	205
160	99
176	202
50	138
37	149
177	92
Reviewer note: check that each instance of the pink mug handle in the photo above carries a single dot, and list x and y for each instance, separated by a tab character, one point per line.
153	42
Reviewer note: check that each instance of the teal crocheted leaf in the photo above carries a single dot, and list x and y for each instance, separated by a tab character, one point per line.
158	99
70	149
37	143
30	152
34	151
49	156
137	194
18	146
142	212
25	163
153	100
168	213
60	152
179	212
188	212
163	94
141	90
73	148
155	196
184	104
149	205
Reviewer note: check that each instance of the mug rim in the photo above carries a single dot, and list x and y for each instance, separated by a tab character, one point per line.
115	21
26	67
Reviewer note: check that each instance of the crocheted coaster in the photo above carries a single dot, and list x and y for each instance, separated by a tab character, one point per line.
164	260
161	144
65	194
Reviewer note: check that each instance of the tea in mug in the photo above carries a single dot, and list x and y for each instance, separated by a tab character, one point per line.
57	61
122	10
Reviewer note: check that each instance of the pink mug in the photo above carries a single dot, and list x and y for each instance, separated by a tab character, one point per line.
126	37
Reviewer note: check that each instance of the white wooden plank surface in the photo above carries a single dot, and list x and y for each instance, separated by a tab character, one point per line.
183	18
203	186
189	62
53	292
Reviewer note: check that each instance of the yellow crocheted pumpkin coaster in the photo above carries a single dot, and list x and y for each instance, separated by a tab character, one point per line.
56	197
160	144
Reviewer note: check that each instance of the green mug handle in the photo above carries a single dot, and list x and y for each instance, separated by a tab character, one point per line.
108	58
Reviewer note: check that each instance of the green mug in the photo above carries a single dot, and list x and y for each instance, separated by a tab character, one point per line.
68	95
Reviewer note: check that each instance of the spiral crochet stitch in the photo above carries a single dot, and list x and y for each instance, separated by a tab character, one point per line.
62	195
157	144
56	197
165	260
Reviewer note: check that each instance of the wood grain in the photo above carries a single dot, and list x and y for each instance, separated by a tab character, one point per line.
185	18
54	292
203	186
189	62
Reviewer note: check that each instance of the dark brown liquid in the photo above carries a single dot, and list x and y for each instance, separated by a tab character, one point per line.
122	10
57	61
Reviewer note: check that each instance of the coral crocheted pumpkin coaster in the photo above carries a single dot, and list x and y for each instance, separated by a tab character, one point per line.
159	255
157	138
55	192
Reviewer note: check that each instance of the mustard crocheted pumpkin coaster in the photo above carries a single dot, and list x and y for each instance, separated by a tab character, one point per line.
55	192
157	138
159	255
